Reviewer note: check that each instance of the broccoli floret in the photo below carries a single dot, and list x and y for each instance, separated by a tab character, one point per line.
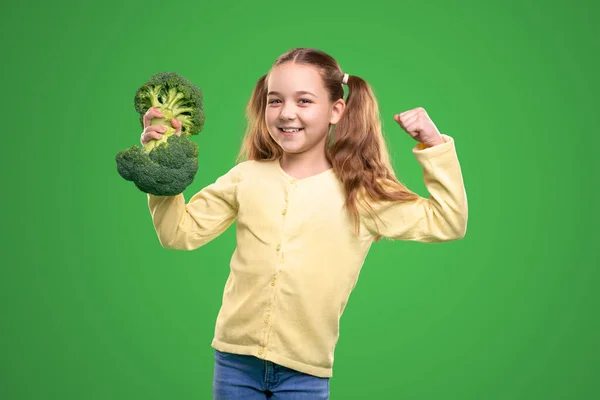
165	167
166	171
176	97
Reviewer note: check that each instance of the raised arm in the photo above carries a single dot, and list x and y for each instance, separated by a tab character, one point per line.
209	213
440	218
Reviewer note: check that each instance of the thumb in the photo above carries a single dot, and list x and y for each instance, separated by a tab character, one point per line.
177	125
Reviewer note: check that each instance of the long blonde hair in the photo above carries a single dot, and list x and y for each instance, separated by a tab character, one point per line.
356	149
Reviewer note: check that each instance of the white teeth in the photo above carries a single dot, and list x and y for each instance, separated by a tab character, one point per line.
290	130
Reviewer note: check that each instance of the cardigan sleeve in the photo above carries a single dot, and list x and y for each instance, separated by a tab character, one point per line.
209	213
440	218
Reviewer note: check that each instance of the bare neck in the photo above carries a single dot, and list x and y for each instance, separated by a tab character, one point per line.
304	165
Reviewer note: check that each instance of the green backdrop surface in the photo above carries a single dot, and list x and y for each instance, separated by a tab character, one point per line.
93	307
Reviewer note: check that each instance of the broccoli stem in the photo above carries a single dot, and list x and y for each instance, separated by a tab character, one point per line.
173	97
172	107
176	104
154	92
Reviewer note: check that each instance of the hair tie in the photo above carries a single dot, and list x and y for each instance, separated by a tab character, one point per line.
345	80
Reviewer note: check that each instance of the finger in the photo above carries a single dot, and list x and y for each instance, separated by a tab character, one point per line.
148	117
399	119
413	129
402	122
153	132
410	120
153	112
404	115
146	137
156	128
409	113
177	125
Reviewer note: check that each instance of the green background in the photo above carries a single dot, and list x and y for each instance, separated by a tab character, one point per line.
93	307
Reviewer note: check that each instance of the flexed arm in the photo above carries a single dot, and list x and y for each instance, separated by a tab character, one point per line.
443	216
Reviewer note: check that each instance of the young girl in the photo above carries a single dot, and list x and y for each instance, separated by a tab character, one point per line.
312	190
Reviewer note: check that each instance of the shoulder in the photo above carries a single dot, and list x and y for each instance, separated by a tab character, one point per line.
242	167
253	165
251	169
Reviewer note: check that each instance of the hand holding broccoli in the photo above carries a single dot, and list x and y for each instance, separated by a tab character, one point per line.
170	109
157	131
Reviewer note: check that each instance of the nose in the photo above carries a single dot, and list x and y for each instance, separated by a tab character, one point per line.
287	112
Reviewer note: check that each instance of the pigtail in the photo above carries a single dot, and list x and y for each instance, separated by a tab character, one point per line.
359	153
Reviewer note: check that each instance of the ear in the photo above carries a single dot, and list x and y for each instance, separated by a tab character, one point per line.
337	111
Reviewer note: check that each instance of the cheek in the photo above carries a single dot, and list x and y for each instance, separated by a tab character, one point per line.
269	114
317	118
320	113
307	116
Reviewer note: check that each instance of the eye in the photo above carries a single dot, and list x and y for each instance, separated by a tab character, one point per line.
274	100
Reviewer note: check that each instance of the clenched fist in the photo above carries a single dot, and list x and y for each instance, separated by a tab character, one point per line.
419	126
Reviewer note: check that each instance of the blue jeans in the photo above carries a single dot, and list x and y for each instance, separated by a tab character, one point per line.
246	377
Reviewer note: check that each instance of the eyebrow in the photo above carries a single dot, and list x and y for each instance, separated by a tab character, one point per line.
298	92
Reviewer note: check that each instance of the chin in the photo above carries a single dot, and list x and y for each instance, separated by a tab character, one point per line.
291	148
289	144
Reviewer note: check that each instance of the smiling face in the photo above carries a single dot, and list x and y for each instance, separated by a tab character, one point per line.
297	98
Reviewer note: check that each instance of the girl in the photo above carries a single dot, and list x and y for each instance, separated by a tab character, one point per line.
312	190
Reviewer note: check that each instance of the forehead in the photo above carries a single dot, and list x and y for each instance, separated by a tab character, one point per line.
291	77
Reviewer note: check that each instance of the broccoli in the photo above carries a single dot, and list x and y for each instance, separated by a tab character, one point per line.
166	171
165	167
176	97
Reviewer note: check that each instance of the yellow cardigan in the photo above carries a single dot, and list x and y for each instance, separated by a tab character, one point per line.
297	258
